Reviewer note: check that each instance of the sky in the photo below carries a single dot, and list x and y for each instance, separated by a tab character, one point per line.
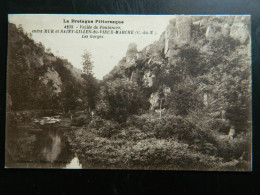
107	51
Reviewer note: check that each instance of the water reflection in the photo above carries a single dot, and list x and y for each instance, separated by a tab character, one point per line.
52	143
41	143
74	164
52	151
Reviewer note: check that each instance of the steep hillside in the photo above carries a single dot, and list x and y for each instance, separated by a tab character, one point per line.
199	65
36	78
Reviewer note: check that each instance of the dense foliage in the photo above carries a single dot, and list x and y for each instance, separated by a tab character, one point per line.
172	104
119	99
37	79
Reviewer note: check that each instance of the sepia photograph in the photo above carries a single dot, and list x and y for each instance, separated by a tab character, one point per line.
146	92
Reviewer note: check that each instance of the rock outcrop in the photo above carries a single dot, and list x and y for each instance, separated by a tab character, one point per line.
189	42
53	77
148	79
240	29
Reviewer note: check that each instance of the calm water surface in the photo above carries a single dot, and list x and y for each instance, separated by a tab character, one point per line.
41	143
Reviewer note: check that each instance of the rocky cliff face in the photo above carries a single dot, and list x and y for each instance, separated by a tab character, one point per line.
183	29
53	77
189	55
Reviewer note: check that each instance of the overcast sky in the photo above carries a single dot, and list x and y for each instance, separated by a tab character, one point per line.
106	52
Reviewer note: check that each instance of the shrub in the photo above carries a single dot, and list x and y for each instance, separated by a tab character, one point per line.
104	128
80	119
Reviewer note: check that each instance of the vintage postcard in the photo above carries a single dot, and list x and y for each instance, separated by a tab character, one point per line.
164	92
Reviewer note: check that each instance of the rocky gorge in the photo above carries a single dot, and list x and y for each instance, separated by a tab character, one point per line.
182	102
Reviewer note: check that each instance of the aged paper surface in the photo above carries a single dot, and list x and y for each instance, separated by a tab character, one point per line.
168	92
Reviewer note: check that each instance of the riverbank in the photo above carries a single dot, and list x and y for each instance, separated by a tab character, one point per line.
144	142
39	143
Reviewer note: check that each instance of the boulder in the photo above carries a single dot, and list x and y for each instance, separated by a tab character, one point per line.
204	21
183	25
131	54
245	19
154	100
169	36
209	32
226	29
148	79
240	32
172	53
178	32
166	90
52	75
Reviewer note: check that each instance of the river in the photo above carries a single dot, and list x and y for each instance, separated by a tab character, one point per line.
40	143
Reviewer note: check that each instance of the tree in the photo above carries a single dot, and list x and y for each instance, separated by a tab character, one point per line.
161	98
87	63
119	99
91	85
